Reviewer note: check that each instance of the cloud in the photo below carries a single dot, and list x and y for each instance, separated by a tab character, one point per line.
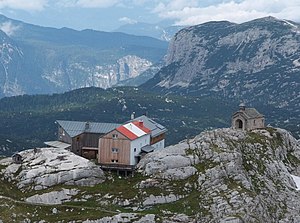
9	28
32	5
240	11
88	3
127	20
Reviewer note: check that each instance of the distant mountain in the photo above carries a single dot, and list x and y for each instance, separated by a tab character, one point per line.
39	59
257	62
162	31
12	61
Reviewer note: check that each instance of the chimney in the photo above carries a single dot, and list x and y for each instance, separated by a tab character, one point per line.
87	125
141	123
132	115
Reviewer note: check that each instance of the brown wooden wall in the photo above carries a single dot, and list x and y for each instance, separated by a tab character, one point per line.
106	143
157	139
77	144
85	140
90	154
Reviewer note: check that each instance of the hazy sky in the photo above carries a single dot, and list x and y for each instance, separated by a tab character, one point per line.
108	15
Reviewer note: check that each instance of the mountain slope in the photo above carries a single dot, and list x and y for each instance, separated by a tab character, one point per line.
256	61
11	60
58	60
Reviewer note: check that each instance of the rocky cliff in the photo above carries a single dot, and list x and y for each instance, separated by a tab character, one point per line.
256	61
11	59
233	176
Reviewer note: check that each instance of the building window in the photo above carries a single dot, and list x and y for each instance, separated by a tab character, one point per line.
114	161
115	150
115	136
134	149
254	122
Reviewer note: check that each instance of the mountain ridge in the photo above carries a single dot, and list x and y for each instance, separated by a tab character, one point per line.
59	60
257	62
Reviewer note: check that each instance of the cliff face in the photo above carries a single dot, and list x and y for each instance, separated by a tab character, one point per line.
234	176
256	61
11	59
77	74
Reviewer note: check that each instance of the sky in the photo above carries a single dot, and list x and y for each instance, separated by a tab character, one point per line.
108	15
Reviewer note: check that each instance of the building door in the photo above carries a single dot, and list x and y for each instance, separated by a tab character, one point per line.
239	124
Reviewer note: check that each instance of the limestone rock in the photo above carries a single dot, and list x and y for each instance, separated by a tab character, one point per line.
46	167
240	176
125	217
53	197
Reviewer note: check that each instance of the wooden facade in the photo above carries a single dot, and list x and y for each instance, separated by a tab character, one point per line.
90	153
89	141
85	140
114	148
157	138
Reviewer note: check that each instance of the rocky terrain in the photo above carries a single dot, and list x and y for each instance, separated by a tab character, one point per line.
256	61
234	176
221	175
46	167
39	60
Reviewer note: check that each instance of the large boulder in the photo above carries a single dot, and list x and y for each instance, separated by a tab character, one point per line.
46	167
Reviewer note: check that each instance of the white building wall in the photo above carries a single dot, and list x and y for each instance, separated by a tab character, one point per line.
136	145
159	145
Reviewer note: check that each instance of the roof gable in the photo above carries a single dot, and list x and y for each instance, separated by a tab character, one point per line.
249	113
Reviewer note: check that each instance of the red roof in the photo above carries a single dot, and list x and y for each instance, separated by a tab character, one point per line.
130	135
141	126
133	130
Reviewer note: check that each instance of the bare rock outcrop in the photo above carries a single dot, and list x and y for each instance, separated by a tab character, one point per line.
46	167
234	176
